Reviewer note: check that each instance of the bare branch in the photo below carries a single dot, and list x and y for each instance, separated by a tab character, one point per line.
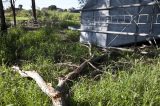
57	94
46	88
54	93
67	64
72	75
93	66
89	46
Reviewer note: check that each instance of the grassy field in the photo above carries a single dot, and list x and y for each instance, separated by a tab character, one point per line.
46	18
127	79
18	18
45	15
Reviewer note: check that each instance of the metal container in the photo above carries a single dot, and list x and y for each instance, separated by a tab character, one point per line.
108	23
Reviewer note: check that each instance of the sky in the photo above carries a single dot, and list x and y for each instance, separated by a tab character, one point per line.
65	4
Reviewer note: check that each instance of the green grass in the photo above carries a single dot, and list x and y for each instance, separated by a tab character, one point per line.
18	91
139	88
38	50
18	18
128	79
48	15
61	15
50	18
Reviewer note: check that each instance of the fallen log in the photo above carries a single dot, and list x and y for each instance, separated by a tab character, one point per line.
57	93
54	94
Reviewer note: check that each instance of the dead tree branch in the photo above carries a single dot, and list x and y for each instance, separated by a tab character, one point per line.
69	64
89	47
57	94
54	93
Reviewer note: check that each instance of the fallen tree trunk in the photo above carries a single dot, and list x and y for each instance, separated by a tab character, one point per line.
54	94
57	94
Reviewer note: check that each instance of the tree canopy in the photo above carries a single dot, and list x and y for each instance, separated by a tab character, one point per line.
82	1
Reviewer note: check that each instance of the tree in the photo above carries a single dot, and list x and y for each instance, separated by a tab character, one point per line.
2	17
52	7
34	10
20	6
12	2
82	1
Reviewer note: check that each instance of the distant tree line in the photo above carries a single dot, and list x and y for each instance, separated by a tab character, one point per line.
82	1
52	7
12	3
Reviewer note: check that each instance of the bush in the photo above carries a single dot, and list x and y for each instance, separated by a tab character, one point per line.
48	43
23	13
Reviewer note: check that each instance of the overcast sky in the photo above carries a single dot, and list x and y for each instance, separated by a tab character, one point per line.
65	4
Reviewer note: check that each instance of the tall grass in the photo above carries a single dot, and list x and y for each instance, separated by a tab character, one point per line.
61	15
127	80
47	18
16	91
40	51
64	19
47	42
139	88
